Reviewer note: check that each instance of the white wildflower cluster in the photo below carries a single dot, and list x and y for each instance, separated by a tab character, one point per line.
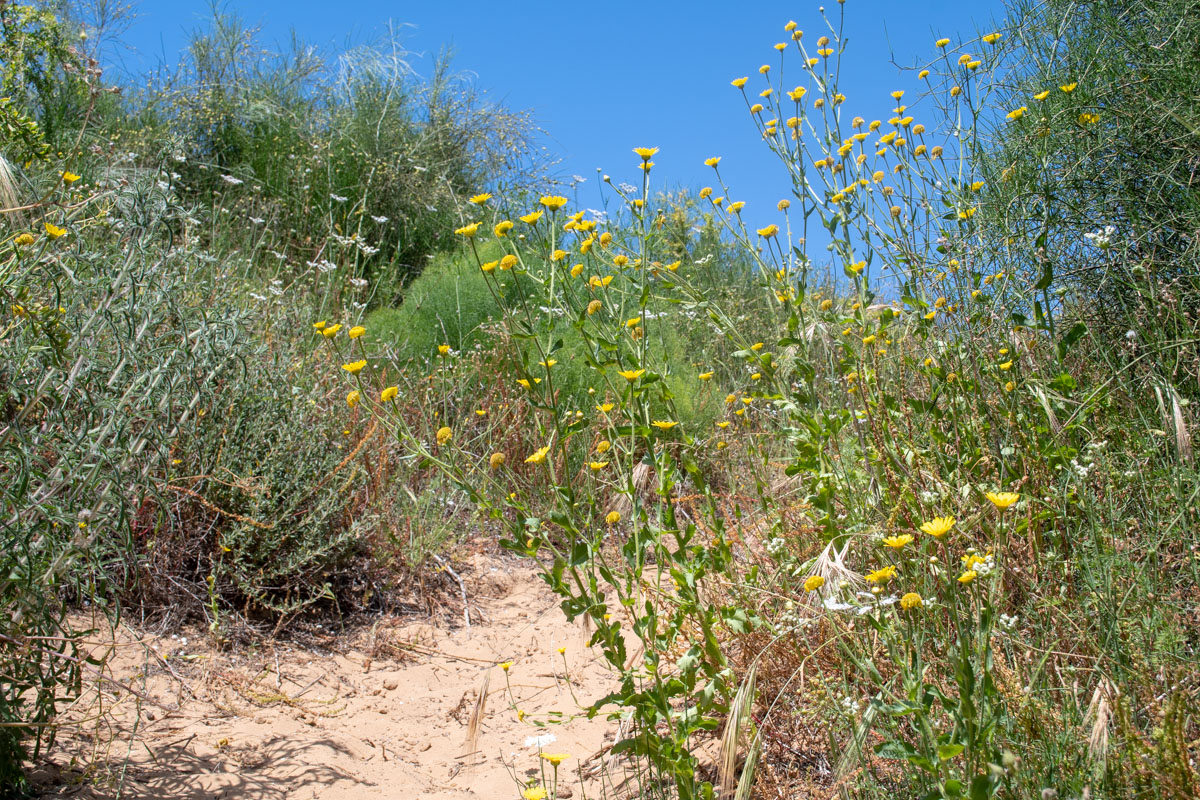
776	546
322	265
1101	238
358	283
1008	621
232	181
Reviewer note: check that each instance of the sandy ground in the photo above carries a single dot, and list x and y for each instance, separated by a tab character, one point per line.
382	712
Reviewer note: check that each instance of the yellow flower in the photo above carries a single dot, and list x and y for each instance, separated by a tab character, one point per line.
605	408
556	758
723	424
353	398
1017	113
576	270
1002	500
354	367
1042	95
502	228
388	393
882	575
942	42
632	322
646	153
704	376
488	266
1068	87
480	199
769	231
721	445
558	255
69	177
621	260
992	38
496	460
506	666
1008	387
612	517
508	262
538	457
553	202
813	582
356	331
594	306
897	542
631	375
603	446
910	601
663	425
53	231
331	330
444	434
739	82
598	465
938	526
532	217
320	326
712	162
968	576
443	349
756	346
468	230
24	239
869	340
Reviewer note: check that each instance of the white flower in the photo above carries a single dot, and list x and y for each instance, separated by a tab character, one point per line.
337	198
232	181
379	219
538	742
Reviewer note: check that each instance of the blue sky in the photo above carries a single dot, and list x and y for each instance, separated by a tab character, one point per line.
602	78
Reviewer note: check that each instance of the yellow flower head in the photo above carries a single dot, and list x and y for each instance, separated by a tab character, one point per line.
769	231
813	582
1002	500
992	38
739	82
319	326
556	758
882	575
508	262
69	177
631	375
353	398
968	576
388	393
897	542
646	153
704	376
330	331
496	460
603	446
354	367
443	435
553	202
480	199
356	331
53	231
612	517
598	465
24	239
1068	87
712	162
534	793
502	228
539	457
910	601
1042	95
468	230
663	425
532	217
938	526
594	306
942	42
